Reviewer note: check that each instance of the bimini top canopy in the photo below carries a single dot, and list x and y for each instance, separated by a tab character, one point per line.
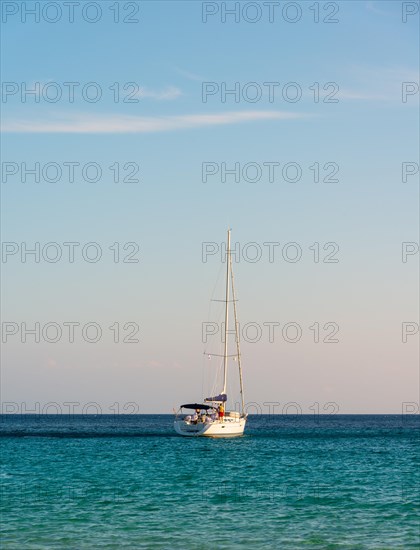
196	406
218	398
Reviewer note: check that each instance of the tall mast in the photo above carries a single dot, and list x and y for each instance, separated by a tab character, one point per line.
228	267
238	349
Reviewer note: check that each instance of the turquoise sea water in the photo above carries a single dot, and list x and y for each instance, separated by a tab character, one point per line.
291	482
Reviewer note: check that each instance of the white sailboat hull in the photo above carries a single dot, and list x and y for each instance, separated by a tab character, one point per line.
228	427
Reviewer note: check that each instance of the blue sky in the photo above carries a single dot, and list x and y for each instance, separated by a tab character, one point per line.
169	133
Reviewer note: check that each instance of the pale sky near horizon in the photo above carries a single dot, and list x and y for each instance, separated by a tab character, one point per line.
335	101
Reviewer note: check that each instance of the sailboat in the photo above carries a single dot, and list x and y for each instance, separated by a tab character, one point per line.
210	419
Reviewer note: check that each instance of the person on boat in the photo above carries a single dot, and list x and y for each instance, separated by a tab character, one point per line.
221	411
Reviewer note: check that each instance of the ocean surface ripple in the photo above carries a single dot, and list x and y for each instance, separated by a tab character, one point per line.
128	481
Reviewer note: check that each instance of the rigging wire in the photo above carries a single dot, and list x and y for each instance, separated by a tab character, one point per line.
204	361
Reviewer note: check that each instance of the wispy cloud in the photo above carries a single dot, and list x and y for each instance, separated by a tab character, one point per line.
169	93
373	7
189	75
362	96
377	83
120	124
